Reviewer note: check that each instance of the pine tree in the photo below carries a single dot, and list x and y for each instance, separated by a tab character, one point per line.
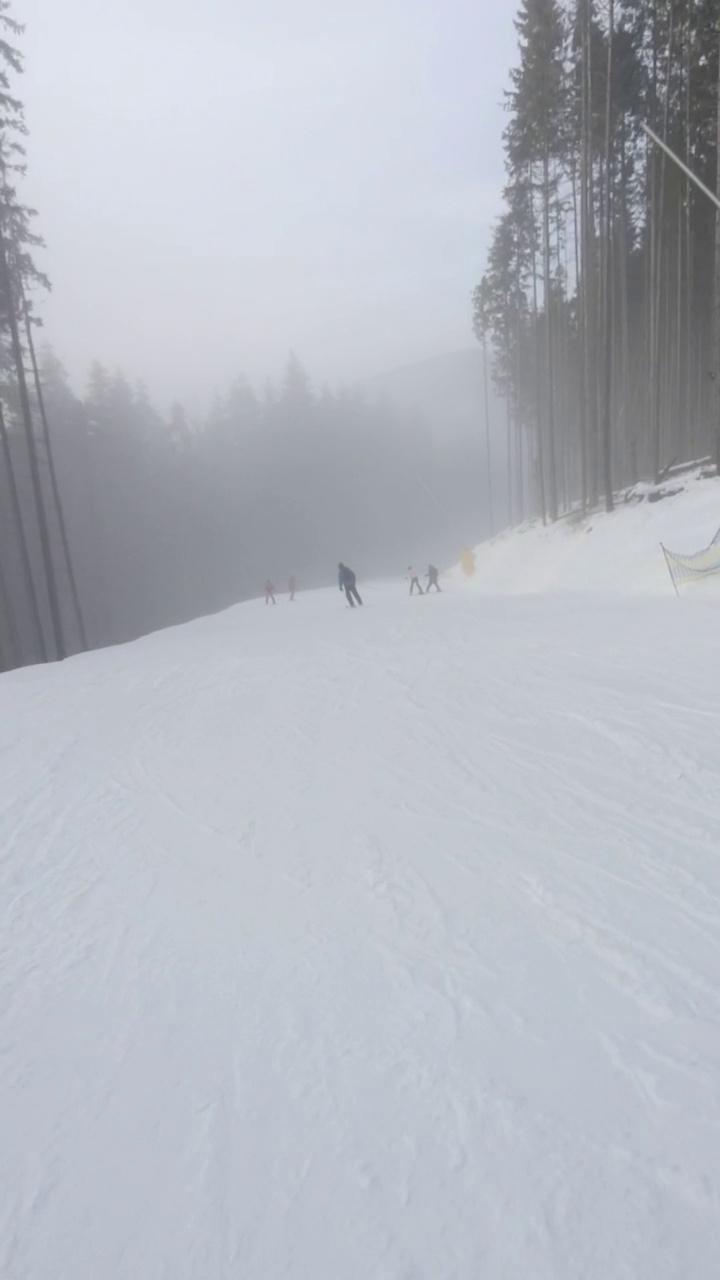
628	319
532	143
17	275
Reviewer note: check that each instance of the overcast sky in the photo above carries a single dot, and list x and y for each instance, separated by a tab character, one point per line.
221	181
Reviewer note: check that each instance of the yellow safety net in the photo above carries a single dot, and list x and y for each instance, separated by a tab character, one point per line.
690	568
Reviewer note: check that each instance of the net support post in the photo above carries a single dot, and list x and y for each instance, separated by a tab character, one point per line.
669	569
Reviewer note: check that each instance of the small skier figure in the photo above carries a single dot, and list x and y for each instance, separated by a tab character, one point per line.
269	592
414	580
432	579
292	588
346	582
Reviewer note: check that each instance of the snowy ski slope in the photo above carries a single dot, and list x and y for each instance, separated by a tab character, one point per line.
373	945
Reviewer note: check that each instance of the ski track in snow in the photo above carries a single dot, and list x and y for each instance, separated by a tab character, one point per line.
365	945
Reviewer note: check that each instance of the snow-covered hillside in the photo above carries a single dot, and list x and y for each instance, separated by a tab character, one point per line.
372	945
609	553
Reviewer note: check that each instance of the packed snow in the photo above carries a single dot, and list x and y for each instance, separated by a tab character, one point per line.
379	944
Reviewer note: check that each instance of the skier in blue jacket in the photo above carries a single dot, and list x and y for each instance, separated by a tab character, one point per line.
346	583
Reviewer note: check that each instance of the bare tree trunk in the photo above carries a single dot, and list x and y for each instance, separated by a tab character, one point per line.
651	222
40	511
552	468
678	376
585	214
580	286
629	460
538	387
518	417
653	410
562	363
609	335
54	484
35	619
657	366
591	291
689	283
716	420
8	615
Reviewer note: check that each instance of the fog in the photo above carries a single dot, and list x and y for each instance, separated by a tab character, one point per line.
263	223
222	181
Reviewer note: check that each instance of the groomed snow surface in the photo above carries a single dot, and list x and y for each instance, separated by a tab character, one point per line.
374	945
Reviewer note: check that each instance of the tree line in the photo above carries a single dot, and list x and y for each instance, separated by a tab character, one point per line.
154	519
601	295
170	518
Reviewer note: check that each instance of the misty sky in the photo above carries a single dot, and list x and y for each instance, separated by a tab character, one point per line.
220	181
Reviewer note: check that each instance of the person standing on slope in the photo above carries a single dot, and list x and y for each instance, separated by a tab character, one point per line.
432	579
414	580
269	592
292	588
346	582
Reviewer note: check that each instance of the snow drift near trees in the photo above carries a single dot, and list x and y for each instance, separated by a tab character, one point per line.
611	553
376	944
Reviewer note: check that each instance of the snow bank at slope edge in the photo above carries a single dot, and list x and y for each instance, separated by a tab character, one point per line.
618	552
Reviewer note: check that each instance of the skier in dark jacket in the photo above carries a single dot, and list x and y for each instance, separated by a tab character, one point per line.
432	577
346	583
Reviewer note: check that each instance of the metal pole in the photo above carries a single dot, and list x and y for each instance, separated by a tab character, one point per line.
669	569
692	176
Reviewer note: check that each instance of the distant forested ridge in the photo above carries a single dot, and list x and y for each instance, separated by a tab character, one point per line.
169	519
